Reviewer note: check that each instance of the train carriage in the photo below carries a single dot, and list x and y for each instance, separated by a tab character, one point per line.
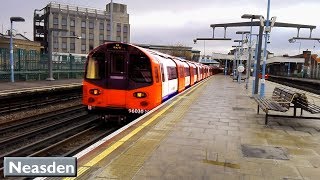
122	79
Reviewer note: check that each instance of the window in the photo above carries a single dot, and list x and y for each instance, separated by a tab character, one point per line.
118	27
118	64
83	24
108	26
55	45
83	35
108	37
101	26
172	73
83	47
187	71
118	38
95	66
101	37
63	21
64	45
72	23
63	33
91	36
156	75
162	73
55	33
72	46
195	71
72	33
140	69
125	28
125	39
91	24
55	21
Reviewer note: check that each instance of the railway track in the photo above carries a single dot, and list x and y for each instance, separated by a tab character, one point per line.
45	134
60	133
305	86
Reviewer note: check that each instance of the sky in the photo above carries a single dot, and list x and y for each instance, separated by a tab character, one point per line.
168	22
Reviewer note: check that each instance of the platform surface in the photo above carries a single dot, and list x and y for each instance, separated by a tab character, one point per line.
25	86
211	132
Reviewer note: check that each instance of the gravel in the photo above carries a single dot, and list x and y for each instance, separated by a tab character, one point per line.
33	112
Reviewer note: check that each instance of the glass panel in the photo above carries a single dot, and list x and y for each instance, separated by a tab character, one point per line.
118	63
140	69
187	71
95	66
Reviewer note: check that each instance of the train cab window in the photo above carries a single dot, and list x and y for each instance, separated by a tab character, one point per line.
95	66
195	71
118	63
140	69
187	71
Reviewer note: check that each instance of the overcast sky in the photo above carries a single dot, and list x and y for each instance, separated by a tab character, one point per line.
168	22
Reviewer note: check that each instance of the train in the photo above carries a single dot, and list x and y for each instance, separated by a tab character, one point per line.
124	79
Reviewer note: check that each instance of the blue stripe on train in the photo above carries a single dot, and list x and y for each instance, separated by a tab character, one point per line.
165	98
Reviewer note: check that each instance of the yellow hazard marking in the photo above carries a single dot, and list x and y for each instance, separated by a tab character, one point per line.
114	146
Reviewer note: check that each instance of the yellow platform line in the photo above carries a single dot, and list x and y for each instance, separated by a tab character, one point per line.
114	146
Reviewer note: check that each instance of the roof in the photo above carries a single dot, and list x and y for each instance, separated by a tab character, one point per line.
211	61
280	59
17	36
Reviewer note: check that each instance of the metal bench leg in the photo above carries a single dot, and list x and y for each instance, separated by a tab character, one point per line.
295	111
266	119
301	112
258	109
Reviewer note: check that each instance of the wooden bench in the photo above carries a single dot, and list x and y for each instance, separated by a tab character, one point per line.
302	102
280	101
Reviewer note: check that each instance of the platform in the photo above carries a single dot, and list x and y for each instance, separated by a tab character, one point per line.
7	88
210	132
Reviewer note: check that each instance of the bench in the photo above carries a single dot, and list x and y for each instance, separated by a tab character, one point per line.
302	102
236	78
280	101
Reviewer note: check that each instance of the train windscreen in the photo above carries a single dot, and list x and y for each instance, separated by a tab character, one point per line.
95	66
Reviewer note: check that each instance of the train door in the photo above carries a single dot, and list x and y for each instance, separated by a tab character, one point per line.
117	77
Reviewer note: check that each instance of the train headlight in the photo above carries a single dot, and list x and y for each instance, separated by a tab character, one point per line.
139	94
94	91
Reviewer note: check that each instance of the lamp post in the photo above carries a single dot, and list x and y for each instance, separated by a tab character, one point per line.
234	67
50	46
267	30
13	19
249	16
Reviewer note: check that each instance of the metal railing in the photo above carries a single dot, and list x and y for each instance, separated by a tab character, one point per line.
30	65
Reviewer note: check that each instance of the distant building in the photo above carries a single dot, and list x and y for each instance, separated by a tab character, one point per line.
178	51
92	25
24	50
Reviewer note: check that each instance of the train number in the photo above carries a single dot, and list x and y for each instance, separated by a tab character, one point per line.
137	111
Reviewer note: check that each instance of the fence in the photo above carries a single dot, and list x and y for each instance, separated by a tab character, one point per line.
30	65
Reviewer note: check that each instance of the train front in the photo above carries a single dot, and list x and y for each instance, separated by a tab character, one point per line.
121	79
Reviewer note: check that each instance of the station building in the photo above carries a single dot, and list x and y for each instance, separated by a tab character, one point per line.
24	51
175	50
92	25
